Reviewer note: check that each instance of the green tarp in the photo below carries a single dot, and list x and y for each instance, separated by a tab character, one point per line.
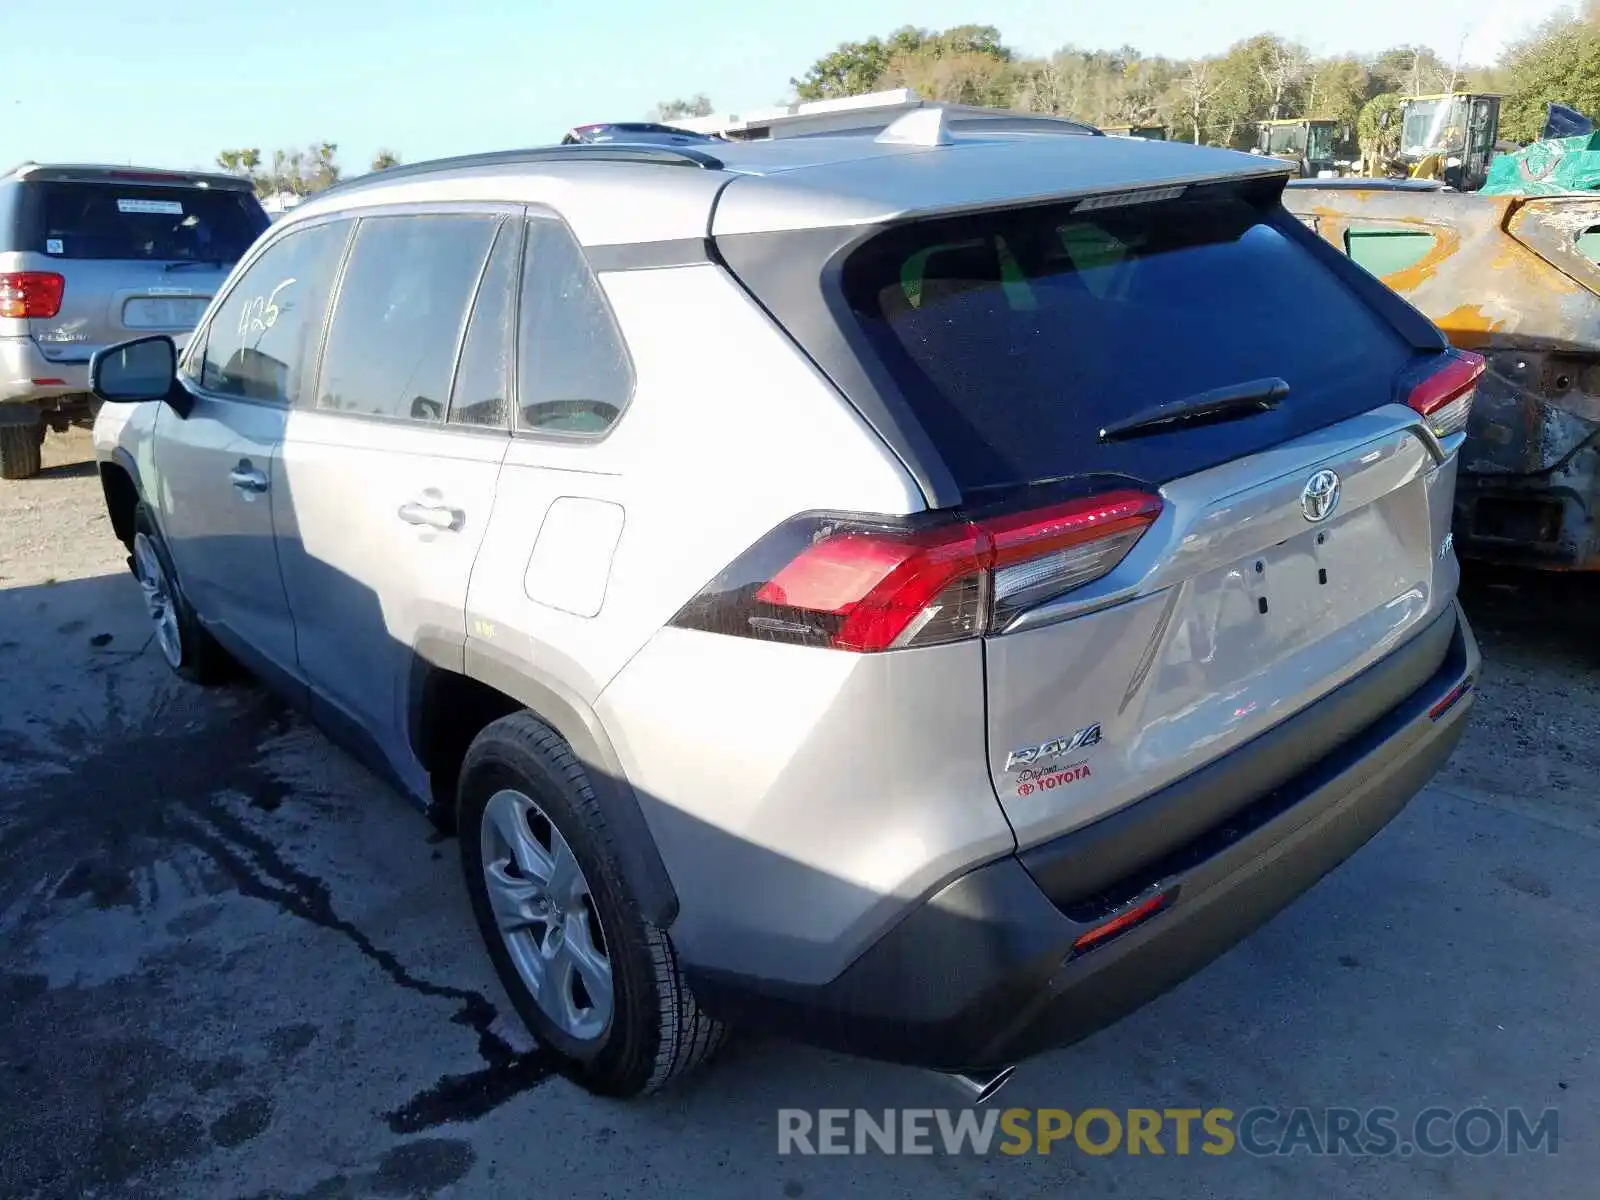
1547	168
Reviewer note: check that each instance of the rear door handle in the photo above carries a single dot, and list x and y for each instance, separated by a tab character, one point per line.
247	479
434	516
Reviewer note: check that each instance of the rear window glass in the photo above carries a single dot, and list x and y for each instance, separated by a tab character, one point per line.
169	224
1017	336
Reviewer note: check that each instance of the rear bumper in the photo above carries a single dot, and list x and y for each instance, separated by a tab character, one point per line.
984	972
26	375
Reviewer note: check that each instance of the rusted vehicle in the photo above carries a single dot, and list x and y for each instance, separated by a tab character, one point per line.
1516	279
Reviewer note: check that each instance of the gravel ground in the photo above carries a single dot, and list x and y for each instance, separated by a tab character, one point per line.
232	964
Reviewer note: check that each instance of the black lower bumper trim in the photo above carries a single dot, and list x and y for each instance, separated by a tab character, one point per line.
982	974
1102	866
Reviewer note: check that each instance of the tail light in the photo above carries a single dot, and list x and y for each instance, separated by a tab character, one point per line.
1444	395
852	584
32	294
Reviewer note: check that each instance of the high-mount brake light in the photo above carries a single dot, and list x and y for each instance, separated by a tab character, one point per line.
1444	396
1125	199
852	584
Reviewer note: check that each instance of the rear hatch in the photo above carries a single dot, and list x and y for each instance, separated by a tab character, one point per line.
1018	336
139	253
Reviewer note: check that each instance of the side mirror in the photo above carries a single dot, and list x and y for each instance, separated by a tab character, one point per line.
131	372
1383	119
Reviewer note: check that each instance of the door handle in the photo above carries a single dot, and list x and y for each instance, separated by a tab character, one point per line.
247	479
434	516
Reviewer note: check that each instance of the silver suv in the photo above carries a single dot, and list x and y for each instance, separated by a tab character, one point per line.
89	256
921	594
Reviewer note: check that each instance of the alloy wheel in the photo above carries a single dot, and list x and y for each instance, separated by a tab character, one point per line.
159	600
546	915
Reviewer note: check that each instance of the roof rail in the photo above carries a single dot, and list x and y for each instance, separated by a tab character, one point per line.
1020	122
613	152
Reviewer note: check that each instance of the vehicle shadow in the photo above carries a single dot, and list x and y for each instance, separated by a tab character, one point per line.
72	470
113	775
1551	614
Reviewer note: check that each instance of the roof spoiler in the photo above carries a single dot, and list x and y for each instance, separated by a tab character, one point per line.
134	176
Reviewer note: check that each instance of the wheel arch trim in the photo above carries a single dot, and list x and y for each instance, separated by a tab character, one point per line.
575	720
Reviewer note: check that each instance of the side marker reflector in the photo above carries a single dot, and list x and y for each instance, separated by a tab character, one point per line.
1451	699
1141	912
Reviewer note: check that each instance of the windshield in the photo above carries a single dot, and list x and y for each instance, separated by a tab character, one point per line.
1433	125
1286	139
173	224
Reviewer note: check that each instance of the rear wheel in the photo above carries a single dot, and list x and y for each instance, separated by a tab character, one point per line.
594	981
20	451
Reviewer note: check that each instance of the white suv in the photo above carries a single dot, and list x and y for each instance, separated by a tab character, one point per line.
923	594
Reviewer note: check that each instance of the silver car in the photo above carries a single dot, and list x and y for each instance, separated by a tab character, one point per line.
919	593
90	255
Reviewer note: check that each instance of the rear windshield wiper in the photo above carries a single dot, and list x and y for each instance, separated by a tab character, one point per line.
196	262
1231	403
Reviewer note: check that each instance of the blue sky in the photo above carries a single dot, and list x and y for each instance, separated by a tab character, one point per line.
172	83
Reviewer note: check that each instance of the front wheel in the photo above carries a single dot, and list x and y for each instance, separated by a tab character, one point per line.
188	649
594	981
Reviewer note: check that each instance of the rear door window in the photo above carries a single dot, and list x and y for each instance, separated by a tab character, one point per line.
480	394
400	315
144	222
1016	336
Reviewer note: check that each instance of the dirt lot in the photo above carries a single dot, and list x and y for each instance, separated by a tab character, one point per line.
232	964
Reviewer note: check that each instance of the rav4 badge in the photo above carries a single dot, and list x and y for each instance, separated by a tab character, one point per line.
1054	747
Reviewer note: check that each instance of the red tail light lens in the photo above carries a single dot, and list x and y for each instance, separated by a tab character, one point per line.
852	585
31	294
1445	394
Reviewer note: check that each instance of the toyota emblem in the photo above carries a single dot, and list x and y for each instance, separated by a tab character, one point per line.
1320	496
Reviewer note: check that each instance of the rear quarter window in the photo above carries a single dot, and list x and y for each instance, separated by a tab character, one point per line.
1016	336
575	375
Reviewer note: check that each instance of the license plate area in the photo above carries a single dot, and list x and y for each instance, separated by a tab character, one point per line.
1310	586
163	312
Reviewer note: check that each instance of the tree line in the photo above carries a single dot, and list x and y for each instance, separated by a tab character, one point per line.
294	172
1215	99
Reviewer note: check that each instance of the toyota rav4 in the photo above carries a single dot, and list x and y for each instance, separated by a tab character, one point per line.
897	591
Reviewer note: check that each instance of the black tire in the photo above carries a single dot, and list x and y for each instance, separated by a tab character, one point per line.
657	1032
200	659
21	448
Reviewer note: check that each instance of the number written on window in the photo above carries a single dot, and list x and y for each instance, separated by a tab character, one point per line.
260	343
261	314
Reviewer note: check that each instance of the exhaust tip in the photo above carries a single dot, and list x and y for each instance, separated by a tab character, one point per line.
980	1089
